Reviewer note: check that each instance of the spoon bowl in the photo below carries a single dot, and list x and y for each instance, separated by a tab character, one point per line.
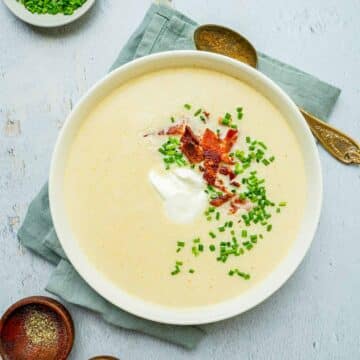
221	40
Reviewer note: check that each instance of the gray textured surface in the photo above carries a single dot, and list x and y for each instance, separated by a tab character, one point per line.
43	72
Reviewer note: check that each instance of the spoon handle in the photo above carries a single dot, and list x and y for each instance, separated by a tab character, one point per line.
338	144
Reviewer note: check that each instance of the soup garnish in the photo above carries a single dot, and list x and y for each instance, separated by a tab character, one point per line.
230	183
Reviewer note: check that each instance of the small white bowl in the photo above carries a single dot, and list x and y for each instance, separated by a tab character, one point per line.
45	20
260	291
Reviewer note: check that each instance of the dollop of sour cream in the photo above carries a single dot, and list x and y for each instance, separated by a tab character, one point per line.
182	191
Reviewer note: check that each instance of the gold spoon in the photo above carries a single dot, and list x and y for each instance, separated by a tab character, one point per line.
221	40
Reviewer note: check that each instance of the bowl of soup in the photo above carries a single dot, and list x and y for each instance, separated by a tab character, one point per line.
185	187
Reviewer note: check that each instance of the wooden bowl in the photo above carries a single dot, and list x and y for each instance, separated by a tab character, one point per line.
21	337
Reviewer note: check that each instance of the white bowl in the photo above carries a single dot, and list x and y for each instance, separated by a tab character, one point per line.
260	291
45	20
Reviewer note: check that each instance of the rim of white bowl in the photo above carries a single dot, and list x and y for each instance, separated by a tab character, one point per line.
209	313
46	20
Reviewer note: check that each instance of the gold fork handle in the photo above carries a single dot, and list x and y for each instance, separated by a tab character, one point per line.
338	144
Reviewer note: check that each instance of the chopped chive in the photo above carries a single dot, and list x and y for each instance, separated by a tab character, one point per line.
244	233
197	112
191	271
262	145
272	158
171	153
245	276
221	228
239	113
187	106
181	243
225	121
283	203
238	169
195	251
201	247
196	240
212	235
212	247
269	227
177	269
172	119
217	216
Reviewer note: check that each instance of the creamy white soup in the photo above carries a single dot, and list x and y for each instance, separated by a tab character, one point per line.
185	187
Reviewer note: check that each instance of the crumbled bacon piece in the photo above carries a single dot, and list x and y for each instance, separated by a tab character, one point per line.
224	170
207	114
227	159
211	164
177	129
211	142
190	146
215	151
228	142
243	204
233	208
235	183
220	185
232	175
230	139
237	204
221	199
212	153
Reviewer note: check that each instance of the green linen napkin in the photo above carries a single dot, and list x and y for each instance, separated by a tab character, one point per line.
162	29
